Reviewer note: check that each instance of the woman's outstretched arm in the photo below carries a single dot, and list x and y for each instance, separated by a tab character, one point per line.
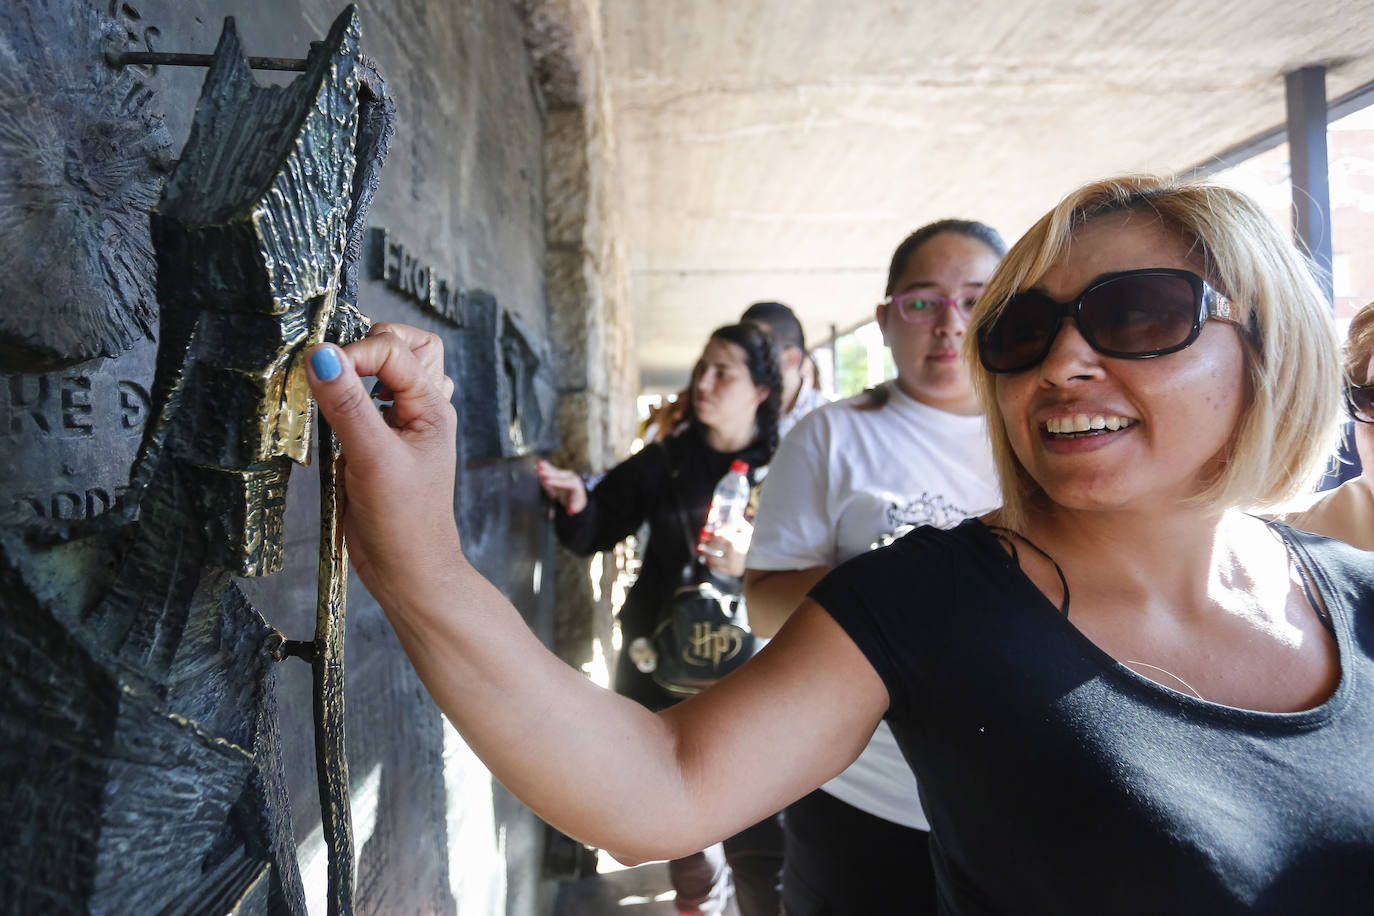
596	765
773	594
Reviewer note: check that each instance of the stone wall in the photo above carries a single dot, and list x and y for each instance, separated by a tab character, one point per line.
589	309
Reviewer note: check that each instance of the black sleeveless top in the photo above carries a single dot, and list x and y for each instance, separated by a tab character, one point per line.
1058	780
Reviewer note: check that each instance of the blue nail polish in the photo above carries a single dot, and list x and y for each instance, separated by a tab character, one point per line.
325	362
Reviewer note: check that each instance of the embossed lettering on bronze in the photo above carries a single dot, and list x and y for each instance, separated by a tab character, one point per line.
412	277
66	441
70	404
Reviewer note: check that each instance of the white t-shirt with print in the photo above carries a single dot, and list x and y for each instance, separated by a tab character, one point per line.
845	481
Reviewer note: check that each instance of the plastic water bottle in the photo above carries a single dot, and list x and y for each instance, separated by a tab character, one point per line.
728	502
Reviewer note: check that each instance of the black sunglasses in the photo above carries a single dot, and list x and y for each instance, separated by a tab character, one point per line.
1359	401
1135	314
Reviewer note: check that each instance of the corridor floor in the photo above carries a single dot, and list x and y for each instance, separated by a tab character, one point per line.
640	891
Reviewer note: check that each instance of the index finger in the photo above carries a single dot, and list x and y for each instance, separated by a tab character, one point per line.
417	385
421	397
426	346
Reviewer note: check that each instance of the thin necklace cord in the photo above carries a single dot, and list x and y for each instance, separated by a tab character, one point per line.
1006	535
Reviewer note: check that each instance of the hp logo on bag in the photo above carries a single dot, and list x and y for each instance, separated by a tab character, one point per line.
710	646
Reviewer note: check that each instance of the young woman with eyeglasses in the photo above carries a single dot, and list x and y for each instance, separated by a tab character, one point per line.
1119	692
852	476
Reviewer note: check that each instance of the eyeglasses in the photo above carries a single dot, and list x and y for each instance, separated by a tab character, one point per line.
1135	314
1359	401
923	308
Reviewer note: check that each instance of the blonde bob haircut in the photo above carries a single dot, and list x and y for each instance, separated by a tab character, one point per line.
1291	355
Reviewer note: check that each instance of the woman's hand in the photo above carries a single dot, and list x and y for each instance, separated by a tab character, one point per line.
399	462
724	552
563	487
569	749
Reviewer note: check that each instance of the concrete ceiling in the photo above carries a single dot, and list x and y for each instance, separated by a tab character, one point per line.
779	149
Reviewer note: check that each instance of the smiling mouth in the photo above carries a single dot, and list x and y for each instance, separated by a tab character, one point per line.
1081	425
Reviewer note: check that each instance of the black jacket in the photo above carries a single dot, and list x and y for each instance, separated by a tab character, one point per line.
649	486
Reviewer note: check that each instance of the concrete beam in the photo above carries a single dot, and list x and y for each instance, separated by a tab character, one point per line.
1306	95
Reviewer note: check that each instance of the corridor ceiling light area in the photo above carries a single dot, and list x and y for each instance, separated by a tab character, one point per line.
779	149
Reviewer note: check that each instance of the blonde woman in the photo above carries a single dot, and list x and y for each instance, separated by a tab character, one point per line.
1119	694
860	844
